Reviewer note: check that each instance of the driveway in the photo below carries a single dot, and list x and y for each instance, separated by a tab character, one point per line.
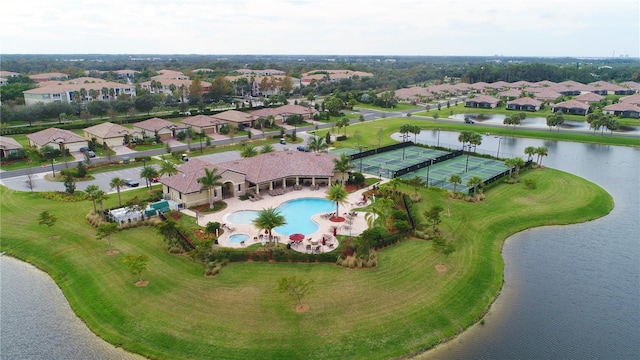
122	150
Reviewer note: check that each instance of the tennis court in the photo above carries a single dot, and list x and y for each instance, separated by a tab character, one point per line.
438	174
387	163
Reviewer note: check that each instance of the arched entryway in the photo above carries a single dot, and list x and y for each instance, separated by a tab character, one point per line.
228	190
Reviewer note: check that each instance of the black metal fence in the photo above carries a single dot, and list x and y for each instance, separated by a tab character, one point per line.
426	163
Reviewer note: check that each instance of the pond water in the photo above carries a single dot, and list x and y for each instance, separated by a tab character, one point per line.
540	122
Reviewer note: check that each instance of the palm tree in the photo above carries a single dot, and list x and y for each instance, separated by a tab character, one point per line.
529	151
267	148
342	165
316	143
405	130
269	219
99	196
338	194
510	164
541	151
168	168
248	151
117	183
90	190
455	179
518	163
475	182
148	172
415	130
209	181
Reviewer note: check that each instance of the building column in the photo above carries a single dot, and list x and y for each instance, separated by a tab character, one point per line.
284	183
297	180
270	185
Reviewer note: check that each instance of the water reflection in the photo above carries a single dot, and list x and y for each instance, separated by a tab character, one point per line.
539	122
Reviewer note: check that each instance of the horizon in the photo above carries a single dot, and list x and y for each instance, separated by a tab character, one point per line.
440	28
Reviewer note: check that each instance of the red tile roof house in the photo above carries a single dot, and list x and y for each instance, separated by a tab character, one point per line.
165	129
281	113
110	134
623	109
588	98
571	107
8	146
257	174
545	94
58	139
235	117
524	104
631	99
482	101
510	94
412	95
203	123
605	88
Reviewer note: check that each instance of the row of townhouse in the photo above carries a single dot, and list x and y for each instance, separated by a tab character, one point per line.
114	135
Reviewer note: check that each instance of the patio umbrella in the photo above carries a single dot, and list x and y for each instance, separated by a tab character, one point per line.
296	237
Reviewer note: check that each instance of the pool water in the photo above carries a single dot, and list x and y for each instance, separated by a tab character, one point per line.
238	238
296	212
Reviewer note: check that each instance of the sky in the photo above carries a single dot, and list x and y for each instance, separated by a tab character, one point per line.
546	28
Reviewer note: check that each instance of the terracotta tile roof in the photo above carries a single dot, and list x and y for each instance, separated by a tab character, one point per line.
233	116
258	169
520	84
52	75
545	83
7	143
6	74
108	130
202	121
545	94
56	135
603	85
284	110
589	97
631	85
632	99
571	104
510	93
484	99
525	101
623	106
155	124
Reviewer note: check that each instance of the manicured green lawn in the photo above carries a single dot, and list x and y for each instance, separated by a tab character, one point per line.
402	306
398	107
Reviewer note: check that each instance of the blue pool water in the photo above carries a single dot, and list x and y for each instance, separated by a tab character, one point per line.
238	238
297	213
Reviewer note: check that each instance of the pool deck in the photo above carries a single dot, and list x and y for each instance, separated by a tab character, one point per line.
357	226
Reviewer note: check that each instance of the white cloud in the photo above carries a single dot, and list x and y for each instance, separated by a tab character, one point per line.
402	27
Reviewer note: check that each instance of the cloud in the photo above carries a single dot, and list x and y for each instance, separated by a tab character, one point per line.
402	27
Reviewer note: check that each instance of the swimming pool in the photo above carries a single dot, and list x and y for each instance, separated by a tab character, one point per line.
297	213
238	238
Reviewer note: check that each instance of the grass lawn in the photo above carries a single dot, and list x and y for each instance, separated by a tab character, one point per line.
370	130
402	306
398	107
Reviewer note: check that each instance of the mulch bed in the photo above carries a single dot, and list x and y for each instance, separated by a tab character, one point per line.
351	188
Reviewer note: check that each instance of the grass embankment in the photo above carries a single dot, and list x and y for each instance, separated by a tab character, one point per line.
402	306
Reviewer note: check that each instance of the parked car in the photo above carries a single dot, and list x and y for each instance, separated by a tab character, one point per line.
155	179
302	148
468	121
131	182
91	153
283	141
84	149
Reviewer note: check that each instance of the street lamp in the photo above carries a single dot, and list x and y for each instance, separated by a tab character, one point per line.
499	140
144	165
466	167
361	147
53	171
429	168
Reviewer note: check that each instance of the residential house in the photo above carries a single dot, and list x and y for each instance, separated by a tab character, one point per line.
605	88
482	101
623	109
545	94
258	174
235	117
203	123
524	104
281	113
571	107
164	86
413	95
632	87
589	97
263	72
110	134
510	94
58	139
632	99
8	146
165	129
